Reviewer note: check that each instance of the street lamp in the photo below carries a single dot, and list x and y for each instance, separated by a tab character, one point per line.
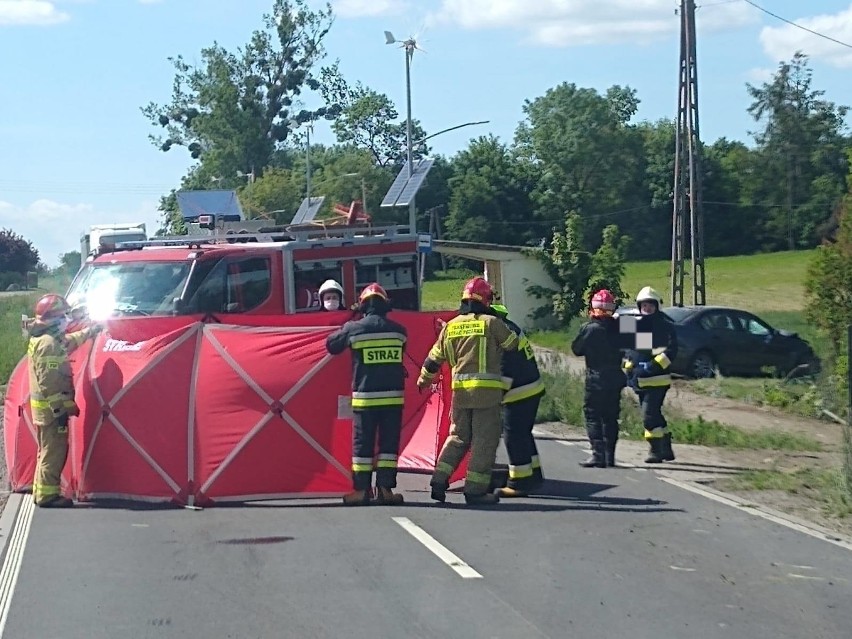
409	45
452	128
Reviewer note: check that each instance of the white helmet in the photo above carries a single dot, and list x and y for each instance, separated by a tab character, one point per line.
648	294
330	285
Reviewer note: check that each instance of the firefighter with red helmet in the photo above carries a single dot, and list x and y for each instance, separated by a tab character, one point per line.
52	394
649	375
520	407
378	387
598	343
473	343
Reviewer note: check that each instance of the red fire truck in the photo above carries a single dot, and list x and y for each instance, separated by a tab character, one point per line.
268	272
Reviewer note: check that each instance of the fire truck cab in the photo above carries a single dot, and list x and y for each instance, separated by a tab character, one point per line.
273	271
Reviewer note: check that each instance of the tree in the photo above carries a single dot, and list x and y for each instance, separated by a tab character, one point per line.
233	110
570	267
829	282
490	196
588	157
70	262
801	148
368	120
17	255
607	268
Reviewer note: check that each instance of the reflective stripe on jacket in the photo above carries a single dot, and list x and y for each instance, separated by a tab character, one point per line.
520	366
473	346
659	357
378	371
51	378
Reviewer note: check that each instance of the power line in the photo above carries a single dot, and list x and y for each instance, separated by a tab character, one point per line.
798	26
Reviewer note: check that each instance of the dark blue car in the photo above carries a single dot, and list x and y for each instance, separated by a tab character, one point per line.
734	342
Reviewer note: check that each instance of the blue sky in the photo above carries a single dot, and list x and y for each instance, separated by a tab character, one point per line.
73	143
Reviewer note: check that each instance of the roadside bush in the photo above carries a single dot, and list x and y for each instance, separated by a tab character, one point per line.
13	344
563	402
10	277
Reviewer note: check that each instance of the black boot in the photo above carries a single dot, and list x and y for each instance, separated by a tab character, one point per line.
656	454
598	458
666	451
610	453
439	492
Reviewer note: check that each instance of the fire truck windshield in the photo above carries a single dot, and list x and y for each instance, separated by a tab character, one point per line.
142	288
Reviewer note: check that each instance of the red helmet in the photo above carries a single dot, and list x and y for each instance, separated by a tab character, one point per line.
51	307
478	290
604	300
372	290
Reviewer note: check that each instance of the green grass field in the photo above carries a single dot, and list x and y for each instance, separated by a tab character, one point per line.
759	283
13	344
771	285
765	284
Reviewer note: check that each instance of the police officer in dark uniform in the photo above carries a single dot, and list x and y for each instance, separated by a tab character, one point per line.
648	373
598	342
378	385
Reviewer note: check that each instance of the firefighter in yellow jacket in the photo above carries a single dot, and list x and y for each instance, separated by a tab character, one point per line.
52	394
473	343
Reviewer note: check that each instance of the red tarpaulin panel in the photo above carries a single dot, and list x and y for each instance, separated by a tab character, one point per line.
266	415
134	433
174	409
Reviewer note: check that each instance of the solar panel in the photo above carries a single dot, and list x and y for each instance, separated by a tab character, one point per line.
396	188
403	189
308	210
413	185
225	205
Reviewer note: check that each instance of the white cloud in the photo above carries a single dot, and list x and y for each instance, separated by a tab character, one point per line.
759	75
367	8
564	23
54	227
780	43
30	12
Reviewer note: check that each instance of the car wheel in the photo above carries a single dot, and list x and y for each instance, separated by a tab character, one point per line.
703	365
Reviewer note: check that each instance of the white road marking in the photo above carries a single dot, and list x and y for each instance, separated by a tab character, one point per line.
808	577
438	549
14	557
759	511
683	569
754	509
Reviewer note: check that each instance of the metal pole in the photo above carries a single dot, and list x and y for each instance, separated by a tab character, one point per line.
308	163
412	207
364	195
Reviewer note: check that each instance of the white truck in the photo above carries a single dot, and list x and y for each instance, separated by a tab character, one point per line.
107	235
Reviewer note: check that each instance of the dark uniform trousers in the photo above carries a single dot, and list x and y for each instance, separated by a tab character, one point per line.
601	408
387	424
518	421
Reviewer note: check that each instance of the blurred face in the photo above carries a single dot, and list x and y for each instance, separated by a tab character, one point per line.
647	308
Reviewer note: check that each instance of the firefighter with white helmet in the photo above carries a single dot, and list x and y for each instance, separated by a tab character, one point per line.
473	343
598	343
378	390
52	394
648	373
331	296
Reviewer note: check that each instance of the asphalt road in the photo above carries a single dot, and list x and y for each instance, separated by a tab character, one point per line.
607	553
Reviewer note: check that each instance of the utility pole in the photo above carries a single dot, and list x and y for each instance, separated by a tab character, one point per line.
412	207
308	161
687	177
